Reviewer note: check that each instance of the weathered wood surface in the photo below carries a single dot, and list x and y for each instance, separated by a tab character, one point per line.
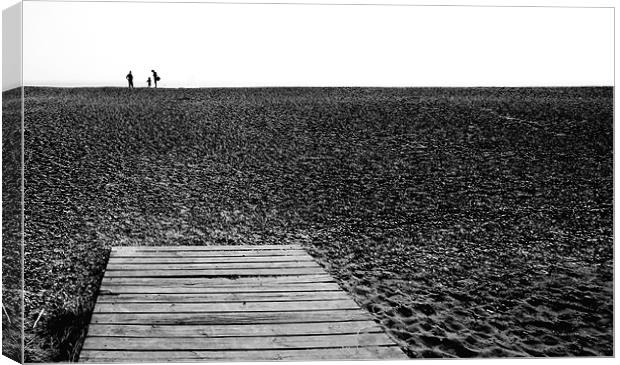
269	329
325	316
216	272
236	343
227	303
344	353
205	248
213	266
246	288
236	253
226	281
223	307
209	260
223	298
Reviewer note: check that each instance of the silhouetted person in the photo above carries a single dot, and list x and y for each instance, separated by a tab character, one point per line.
148	81
155	77
129	78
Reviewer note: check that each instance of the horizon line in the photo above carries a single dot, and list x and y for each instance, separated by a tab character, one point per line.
312	87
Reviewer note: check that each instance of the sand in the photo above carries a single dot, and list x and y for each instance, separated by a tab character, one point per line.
470	222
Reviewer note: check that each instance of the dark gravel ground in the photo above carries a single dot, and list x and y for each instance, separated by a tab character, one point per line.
12	312
470	222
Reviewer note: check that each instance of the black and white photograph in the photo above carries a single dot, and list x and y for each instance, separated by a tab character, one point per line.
241	181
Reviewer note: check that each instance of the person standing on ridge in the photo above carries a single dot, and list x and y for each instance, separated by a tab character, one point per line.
155	77
148	81
129	78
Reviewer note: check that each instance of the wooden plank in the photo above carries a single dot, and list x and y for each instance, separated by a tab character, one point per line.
220	272
346	353
224	307
213	266
231	317
236	343
191	289
222	298
211	282
206	260
233	330
239	253
206	248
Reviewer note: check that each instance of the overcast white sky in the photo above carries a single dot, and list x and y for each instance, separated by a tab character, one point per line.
193	45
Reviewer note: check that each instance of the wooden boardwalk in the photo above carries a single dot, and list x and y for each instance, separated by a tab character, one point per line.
226	303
